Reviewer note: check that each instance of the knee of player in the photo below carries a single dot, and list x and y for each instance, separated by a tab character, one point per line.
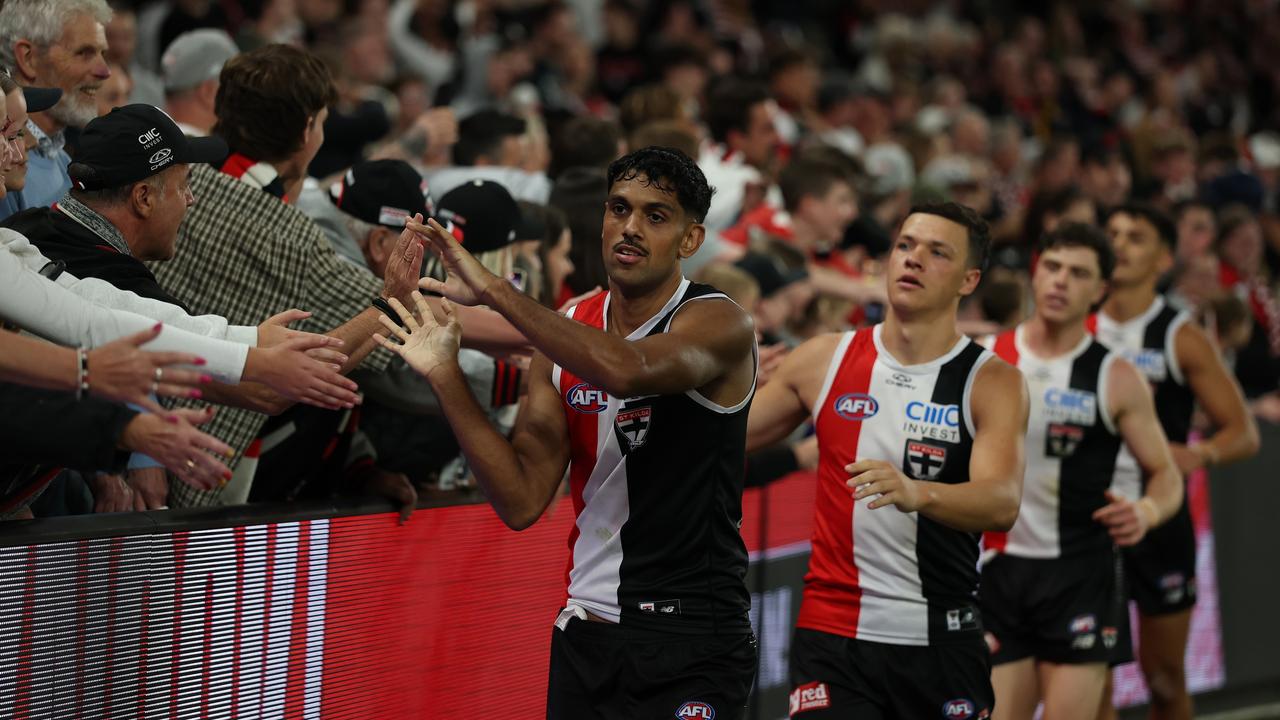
1167	680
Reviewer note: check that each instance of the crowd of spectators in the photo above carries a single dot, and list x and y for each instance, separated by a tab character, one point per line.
298	135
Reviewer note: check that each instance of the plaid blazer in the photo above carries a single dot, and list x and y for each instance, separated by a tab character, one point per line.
246	255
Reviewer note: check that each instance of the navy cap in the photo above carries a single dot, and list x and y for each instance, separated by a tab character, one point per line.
40	99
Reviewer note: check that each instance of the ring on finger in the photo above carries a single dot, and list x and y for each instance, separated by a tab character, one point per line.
155	387
159	374
191	464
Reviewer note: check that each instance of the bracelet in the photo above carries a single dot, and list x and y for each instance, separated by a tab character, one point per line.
82	373
385	308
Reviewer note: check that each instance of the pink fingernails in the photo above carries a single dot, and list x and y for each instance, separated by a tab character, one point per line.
195	394
201	361
206	379
171	419
157	327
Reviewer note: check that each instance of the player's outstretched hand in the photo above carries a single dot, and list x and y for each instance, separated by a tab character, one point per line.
425	343
877	477
466	280
1127	520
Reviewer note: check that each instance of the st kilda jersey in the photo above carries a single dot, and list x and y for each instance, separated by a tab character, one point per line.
1147	341
1071	451
884	575
657	492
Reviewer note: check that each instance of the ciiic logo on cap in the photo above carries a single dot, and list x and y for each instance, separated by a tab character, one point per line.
149	138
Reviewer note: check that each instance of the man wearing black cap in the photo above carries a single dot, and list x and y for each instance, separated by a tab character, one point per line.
129	194
363	213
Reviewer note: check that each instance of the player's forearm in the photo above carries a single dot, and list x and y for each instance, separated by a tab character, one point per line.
1236	441
487	331
972	507
1164	492
608	362
490	456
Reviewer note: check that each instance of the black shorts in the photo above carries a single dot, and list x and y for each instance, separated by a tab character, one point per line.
603	671
1161	569
1062	610
838	677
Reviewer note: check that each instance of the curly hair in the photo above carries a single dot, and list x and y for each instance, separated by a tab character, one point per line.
670	171
1073	234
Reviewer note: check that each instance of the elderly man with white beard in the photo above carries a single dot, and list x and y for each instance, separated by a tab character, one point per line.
53	43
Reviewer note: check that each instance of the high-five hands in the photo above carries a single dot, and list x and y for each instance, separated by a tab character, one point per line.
466	281
425	343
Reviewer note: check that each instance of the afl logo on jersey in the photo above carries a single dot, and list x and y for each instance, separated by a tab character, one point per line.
586	399
695	709
958	710
856	406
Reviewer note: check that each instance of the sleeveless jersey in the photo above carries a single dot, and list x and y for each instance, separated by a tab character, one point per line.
1147	341
1071	451
884	575
656	483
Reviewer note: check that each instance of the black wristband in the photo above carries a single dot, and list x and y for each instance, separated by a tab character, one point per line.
386	309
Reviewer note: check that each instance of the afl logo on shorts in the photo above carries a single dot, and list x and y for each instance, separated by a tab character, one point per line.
856	407
586	399
695	709
958	710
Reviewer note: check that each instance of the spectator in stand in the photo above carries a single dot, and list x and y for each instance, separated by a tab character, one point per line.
62	44
586	142
1104	177
742	159
115	89
580	193
191	66
1243	273
122	42
794	77
491	146
271	107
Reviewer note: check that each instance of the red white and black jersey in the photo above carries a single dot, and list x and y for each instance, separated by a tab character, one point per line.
1147	341
884	575
1071	451
657	492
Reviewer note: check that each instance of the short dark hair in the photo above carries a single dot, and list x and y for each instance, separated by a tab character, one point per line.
1074	234
979	232
809	177
266	97
729	106
481	134
668	170
1166	229
584	142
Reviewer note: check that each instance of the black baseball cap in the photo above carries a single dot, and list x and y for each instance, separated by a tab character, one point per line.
382	192
134	142
40	99
481	214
